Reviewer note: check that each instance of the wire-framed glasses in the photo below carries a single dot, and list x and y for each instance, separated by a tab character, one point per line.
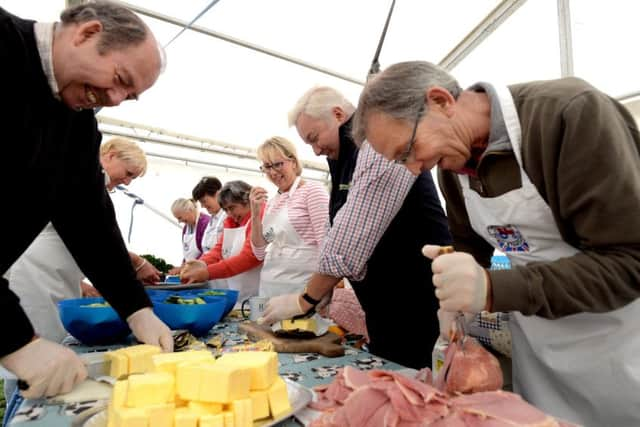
404	156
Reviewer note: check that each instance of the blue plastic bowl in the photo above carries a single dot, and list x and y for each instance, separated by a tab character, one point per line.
230	294
197	318
92	325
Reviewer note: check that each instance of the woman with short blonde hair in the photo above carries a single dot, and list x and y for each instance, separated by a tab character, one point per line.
289	236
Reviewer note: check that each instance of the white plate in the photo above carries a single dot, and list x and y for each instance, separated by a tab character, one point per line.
165	286
299	397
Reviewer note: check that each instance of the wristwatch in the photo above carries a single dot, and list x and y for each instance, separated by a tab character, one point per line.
310	299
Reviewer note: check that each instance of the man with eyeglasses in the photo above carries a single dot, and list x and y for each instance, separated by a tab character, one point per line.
548	173
54	75
381	215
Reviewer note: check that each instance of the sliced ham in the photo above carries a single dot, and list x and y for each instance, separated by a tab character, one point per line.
388	399
469	368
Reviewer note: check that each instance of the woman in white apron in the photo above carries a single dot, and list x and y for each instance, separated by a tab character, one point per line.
232	257
291	232
195	222
206	192
582	367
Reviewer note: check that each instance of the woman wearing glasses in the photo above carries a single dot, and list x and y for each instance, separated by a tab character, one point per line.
289	236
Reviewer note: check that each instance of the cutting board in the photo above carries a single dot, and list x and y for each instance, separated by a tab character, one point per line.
327	344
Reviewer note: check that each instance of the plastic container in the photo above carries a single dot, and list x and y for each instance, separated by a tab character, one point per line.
92	325
231	296
196	318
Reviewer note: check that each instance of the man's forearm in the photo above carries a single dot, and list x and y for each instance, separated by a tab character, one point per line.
318	286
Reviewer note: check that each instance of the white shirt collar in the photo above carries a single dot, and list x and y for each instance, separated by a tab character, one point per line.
44	40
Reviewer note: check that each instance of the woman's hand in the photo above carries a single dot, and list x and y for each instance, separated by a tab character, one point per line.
257	197
194	272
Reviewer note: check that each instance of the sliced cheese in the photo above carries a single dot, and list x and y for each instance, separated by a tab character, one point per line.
259	404
301	324
262	364
223	383
278	398
167	362
185	417
150	389
161	415
242	413
130	417
211	420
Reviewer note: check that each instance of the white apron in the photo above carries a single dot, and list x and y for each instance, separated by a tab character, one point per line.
43	275
190	249
210	236
209	240
246	283
584	368
289	261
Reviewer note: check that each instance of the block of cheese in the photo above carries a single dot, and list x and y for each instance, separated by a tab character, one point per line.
167	362
185	417
212	420
130	417
259	404
278	398
160	415
242	413
262	364
138	359
119	364
118	398
301	324
205	408
228	419
150	389
188	379
223	383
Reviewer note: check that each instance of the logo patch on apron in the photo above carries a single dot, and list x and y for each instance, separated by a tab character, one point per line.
509	238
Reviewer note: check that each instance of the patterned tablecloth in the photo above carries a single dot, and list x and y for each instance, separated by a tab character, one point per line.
307	369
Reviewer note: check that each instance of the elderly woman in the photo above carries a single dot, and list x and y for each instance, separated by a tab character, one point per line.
290	234
232	258
46	273
195	223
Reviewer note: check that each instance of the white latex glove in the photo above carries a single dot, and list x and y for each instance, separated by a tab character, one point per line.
194	271
461	283
280	308
48	368
448	326
148	329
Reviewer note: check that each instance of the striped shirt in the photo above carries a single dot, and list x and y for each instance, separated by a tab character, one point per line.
308	213
378	189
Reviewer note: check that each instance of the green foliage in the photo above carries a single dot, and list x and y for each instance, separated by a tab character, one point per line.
158	263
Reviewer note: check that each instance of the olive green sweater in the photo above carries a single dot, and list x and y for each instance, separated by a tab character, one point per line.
581	151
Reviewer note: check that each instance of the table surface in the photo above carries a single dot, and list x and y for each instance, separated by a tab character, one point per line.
307	369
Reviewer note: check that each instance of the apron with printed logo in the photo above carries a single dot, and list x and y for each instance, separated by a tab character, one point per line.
245	283
585	367
289	261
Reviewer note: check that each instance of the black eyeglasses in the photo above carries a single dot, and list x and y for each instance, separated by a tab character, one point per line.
404	156
275	165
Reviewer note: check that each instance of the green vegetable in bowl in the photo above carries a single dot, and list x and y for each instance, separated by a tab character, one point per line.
213	293
97	304
176	299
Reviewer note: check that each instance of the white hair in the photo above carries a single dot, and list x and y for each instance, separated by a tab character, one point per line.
317	102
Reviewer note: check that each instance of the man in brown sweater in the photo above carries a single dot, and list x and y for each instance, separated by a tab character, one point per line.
548	173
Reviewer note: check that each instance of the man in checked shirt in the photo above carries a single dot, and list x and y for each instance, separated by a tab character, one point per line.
381	215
